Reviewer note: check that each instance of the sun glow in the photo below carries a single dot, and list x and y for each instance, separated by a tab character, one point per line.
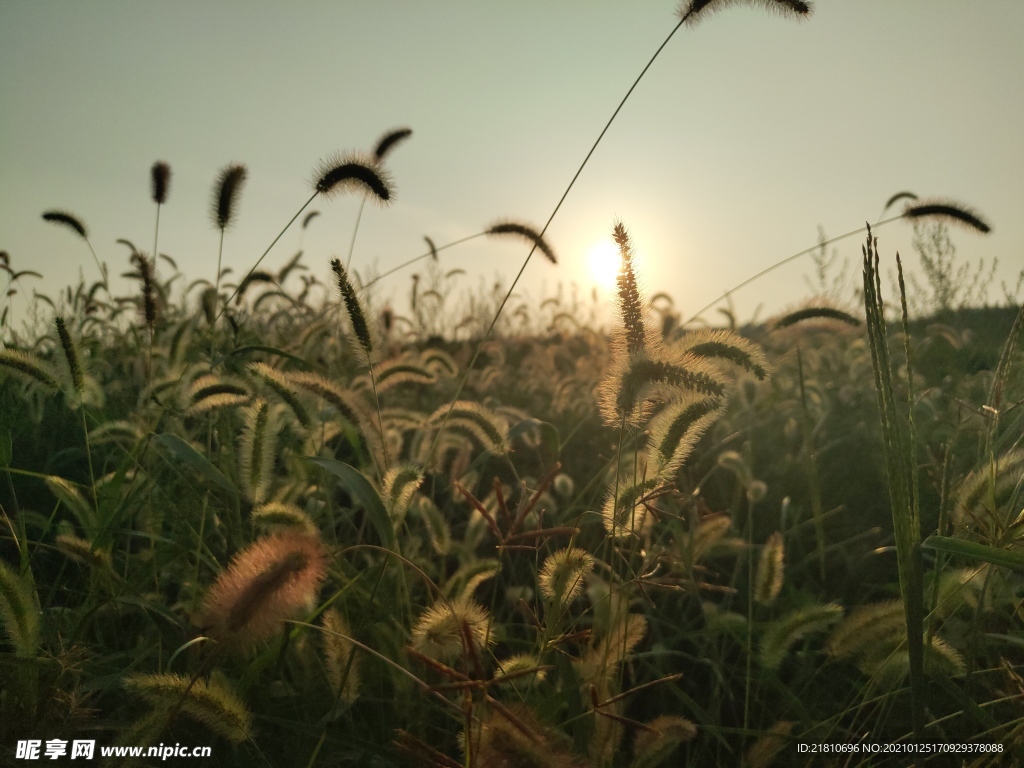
604	260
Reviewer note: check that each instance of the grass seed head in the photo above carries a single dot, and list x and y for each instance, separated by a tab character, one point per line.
225	194
160	175
694	10
353	173
948	210
210	702
275	579
18	611
355	311
389	140
563	573
525	231
70	354
65	219
439	631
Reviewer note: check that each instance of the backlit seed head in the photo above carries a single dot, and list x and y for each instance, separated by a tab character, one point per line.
438	633
273	580
562	576
353	173
225	194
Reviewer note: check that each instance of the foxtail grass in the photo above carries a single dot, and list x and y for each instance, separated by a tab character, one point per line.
361	332
224	205
947	210
65	219
18	611
210	702
899	442
688	13
335	175
275	579
385	144
160	180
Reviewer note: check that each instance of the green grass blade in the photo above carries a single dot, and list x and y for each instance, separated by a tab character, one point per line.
363	492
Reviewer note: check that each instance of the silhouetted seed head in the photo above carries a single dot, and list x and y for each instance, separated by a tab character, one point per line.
812	313
161	176
148	297
225	194
5	259
355	311
353	172
897	197
70	354
288	268
524	231
388	141
65	219
209	304
695	10
432	247
259	276
948	209
309	217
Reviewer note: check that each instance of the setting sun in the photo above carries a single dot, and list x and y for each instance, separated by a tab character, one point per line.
603	259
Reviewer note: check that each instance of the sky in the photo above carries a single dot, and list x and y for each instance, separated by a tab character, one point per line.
748	133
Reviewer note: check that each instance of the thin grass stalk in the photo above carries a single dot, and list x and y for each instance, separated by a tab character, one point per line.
431	253
544	229
788	259
355	231
264	254
901	469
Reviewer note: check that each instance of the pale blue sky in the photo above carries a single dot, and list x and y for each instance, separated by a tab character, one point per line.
748	132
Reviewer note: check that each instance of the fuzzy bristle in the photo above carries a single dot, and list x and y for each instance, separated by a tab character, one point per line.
524	231
562	576
210	702
353	172
769	577
948	210
355	311
816	313
149	309
439	632
65	219
339	655
70	354
225	194
273	580
18	611
693	11
631	310
28	365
